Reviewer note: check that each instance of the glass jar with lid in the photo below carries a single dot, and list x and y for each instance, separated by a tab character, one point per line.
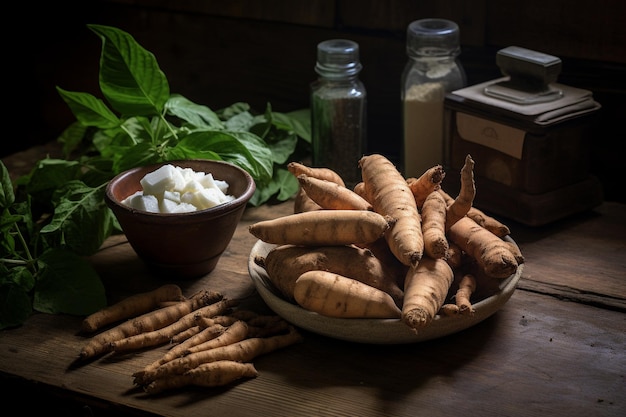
433	69
338	109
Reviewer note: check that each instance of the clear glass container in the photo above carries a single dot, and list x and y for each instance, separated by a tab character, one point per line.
338	110
433	69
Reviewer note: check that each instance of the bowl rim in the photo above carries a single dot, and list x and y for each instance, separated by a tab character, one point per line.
374	331
216	210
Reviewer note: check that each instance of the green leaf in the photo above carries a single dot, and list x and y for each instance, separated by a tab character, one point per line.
49	175
240	122
68	284
130	77
7	244
7	196
288	184
19	275
278	130
139	155
81	219
283	186
197	115
114	142
8	223
262	125
72	137
233	110
298	121
89	110
183	151
96	170
283	148
23	209
243	149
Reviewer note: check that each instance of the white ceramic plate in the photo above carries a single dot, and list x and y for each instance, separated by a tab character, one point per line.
374	331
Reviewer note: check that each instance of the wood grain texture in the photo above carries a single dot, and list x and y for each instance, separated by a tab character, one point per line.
537	355
540	354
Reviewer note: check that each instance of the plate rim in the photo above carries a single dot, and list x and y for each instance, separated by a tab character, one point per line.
372	331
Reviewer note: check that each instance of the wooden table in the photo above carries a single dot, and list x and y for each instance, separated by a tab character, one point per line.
557	347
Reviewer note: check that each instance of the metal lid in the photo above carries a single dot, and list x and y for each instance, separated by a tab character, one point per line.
338	58
432	37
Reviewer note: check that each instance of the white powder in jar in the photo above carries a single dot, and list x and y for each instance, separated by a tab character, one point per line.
423	128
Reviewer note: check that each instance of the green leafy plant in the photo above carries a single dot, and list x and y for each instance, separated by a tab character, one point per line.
54	216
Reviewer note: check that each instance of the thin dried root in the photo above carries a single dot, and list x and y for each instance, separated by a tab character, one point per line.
211	374
467	286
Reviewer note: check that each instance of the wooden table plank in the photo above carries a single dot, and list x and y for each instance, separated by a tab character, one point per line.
579	258
557	347
537	355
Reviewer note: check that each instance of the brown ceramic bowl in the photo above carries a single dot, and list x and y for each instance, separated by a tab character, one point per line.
183	245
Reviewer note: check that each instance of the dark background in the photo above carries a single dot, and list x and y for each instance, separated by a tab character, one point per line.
219	52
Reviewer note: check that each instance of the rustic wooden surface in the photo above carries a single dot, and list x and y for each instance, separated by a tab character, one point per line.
557	346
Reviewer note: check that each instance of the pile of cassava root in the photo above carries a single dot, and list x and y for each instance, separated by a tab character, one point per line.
392	247
212	341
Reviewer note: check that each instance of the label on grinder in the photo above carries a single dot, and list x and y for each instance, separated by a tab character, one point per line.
503	138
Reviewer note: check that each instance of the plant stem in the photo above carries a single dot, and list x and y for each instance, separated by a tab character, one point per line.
29	256
169	126
13	261
129	133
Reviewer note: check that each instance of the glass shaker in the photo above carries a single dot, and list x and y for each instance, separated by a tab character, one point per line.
338	110
433	69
